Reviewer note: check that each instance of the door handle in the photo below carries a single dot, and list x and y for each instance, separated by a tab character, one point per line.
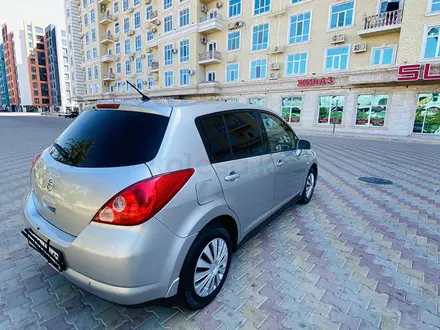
280	163
232	177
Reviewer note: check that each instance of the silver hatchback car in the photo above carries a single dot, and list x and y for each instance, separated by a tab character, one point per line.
143	200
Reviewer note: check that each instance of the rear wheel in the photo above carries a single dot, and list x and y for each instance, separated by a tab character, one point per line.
309	187
206	267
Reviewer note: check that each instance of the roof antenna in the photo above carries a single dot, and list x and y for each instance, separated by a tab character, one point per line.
145	98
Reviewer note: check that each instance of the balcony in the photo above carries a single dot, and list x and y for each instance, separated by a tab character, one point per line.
105	19
211	23
107	38
382	23
108	58
108	76
104	2
153	16
210	57
154	66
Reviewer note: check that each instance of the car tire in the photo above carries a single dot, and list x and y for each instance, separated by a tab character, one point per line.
309	187
211	236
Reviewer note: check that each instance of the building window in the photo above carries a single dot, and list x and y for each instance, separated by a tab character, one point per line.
168	50
150	59
383	56
184	17
137	20
127	47
167	4
435	5
124	5
234	41
234	8
89	73
93	35
126	24
128	87
117	28
336	59
138	43
116	7
119	85
261	6
168	23
118	49
260	37
291	109
150	36
258	69
169	79
86	20
148	11
150	82
210	76
427	114
330	107
432	48
298	1
140	84
88	55
342	15
257	101
232	72
300	28
127	67
92	16
95	53
118	67
96	72
138	65
296	64
371	110
87	36
136	2
184	51
184	77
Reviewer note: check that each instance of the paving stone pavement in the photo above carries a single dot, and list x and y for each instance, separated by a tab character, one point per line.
359	256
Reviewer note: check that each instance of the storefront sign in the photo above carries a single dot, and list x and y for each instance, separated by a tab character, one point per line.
413	72
316	82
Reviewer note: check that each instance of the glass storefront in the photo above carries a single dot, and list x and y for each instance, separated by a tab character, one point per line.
331	108
427	114
371	110
258	102
291	109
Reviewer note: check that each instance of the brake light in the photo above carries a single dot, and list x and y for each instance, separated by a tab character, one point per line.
34	161
108	106
141	201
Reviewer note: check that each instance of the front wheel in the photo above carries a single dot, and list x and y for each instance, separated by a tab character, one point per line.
206	267
309	187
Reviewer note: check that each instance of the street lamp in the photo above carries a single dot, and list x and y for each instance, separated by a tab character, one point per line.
335	113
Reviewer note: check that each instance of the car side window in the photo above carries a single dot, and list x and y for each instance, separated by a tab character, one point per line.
279	135
216	138
244	133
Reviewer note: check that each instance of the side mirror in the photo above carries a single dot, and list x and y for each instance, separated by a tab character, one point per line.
304	145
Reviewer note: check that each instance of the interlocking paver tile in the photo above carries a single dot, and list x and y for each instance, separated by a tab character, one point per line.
359	255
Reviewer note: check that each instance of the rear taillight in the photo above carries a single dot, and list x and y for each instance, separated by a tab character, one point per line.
34	161
141	201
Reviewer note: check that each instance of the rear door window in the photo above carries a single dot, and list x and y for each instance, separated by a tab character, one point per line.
110	138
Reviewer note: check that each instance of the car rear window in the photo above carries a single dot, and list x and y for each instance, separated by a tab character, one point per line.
110	138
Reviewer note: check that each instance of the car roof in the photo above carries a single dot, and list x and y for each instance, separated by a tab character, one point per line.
165	107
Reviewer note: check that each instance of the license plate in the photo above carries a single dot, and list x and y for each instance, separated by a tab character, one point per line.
50	254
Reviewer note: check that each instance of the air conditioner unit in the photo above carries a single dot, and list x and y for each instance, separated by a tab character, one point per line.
204	40
154	30
130	32
115	18
204	9
278	49
131	9
219	4
192	72
175	50
275	66
230	58
149	50
148	2
338	38
157	22
116	38
131	58
274	75
143	56
360	47
239	24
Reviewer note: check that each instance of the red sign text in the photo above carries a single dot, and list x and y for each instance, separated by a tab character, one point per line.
413	72
316	82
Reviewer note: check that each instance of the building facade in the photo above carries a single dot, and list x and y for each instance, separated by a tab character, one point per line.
365	66
73	24
59	68
4	96
10	66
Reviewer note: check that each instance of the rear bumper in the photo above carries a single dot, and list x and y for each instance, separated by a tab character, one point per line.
126	265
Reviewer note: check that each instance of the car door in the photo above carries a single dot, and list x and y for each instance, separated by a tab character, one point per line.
290	166
243	166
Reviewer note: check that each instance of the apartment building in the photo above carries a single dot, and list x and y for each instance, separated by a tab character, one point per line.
10	67
4	96
73	24
361	66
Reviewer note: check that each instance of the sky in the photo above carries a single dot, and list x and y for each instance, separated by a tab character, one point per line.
40	12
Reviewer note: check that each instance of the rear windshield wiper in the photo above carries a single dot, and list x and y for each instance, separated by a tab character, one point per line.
61	150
